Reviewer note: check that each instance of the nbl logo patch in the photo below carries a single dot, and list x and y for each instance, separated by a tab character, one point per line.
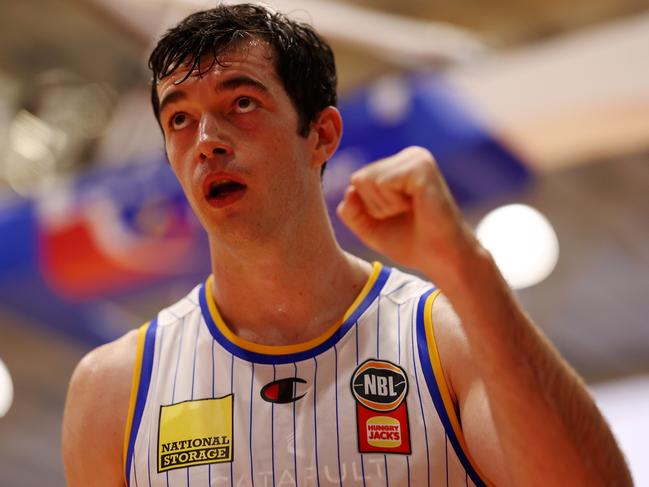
380	388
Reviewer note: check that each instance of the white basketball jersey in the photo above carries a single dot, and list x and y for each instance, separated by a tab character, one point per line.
364	404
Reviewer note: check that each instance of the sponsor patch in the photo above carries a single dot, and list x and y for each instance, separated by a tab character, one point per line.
197	432
283	391
380	388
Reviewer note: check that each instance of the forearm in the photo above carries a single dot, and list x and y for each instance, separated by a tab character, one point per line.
550	430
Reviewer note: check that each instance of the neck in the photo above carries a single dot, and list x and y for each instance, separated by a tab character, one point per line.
286	290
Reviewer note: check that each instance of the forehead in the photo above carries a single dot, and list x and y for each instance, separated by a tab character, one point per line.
252	56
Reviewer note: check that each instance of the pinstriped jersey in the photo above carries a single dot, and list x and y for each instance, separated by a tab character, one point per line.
364	404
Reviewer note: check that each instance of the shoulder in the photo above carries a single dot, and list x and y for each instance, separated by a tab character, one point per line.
97	407
107	364
453	347
402	287
468	392
449	338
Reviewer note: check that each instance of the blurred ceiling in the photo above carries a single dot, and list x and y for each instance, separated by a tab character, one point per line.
41	35
508	22
502	24
94	39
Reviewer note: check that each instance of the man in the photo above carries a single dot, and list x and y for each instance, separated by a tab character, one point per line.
297	363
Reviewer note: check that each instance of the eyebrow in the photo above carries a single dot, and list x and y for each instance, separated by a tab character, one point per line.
239	81
230	84
172	97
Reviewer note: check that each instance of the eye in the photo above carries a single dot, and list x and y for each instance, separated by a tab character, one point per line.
245	104
179	121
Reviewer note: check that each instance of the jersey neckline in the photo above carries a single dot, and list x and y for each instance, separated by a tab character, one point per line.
279	354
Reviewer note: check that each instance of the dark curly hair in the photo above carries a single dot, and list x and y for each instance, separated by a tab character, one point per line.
303	60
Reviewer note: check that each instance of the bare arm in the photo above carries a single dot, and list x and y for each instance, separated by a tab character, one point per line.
95	415
549	431
526	415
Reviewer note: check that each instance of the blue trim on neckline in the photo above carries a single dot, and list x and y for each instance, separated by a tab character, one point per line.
263	358
433	388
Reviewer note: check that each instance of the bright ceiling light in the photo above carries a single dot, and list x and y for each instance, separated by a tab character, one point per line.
522	242
6	389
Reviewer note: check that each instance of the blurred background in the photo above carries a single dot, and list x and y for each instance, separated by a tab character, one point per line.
537	111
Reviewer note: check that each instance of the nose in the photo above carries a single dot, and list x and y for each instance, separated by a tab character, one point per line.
212	141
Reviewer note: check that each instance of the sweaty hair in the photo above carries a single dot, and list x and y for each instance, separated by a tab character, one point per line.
303	61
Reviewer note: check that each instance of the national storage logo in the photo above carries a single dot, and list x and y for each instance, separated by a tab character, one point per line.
196	451
379	385
197	432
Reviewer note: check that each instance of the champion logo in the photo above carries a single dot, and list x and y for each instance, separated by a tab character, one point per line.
283	391
379	385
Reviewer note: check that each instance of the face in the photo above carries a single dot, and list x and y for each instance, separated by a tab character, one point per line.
231	136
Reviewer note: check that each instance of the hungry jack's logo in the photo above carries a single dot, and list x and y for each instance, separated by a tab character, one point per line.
380	388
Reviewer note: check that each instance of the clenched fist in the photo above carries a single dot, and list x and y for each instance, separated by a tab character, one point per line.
401	207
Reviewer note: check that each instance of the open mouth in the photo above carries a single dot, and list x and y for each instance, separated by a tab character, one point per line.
225	191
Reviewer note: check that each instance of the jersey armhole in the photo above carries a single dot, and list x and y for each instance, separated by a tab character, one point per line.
139	390
434	374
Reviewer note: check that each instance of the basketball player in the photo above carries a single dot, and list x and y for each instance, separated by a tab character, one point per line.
297	363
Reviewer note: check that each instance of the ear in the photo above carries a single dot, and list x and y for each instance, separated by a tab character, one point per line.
325	135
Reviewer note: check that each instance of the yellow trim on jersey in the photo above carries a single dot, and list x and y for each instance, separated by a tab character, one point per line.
137	371
435	361
287	349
